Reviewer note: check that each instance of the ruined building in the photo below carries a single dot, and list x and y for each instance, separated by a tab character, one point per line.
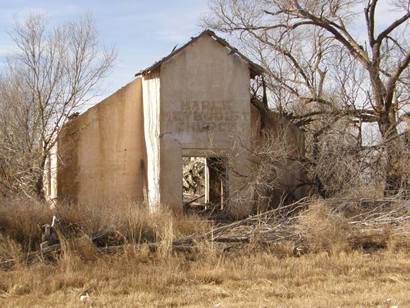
130	147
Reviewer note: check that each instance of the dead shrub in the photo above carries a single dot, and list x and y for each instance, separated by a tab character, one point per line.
323	229
277	174
20	220
399	240
10	250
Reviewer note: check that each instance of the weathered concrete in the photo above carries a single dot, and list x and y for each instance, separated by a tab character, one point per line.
102	152
205	111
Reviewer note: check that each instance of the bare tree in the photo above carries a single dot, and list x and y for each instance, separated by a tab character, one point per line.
52	74
324	65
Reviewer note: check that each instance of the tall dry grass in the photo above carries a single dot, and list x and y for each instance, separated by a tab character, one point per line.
336	270
345	225
21	221
331	226
323	230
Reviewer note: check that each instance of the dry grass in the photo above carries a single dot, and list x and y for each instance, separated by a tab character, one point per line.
333	273
324	230
262	279
21	221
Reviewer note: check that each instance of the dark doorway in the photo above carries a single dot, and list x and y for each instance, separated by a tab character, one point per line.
218	182
205	183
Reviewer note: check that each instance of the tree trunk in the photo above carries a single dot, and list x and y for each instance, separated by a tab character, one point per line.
39	185
317	181
390	135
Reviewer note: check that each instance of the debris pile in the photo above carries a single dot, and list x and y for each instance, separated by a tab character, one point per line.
193	179
268	227
365	220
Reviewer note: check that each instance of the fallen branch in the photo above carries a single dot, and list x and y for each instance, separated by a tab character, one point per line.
274	226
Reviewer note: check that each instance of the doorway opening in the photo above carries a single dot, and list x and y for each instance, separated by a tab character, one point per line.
204	183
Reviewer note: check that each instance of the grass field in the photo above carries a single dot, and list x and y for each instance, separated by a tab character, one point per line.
139	279
334	272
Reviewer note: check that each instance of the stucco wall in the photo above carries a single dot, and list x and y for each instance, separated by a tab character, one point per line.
102	152
205	110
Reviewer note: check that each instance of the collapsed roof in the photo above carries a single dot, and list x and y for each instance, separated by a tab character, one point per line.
254	68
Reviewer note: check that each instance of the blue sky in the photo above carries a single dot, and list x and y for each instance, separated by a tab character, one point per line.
142	31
